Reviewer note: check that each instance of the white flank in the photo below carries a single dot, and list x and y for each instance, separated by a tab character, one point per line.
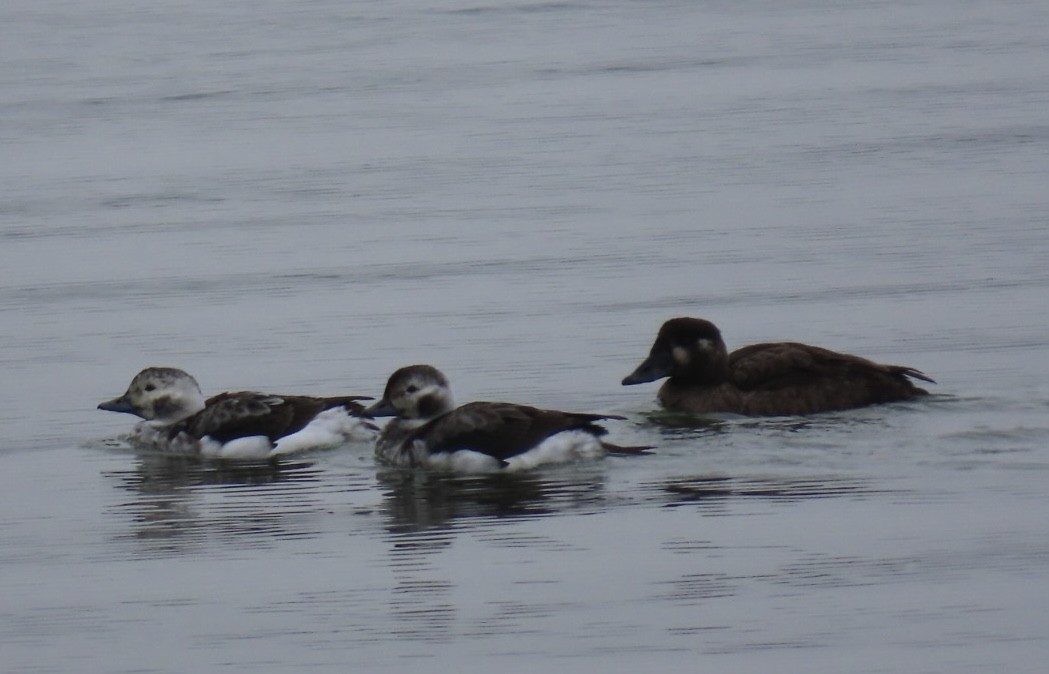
564	447
330	428
463	461
254	447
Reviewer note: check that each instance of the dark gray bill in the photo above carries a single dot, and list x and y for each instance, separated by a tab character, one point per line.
117	405
656	366
383	408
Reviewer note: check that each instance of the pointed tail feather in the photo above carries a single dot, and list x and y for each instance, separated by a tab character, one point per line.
348	402
633	450
912	373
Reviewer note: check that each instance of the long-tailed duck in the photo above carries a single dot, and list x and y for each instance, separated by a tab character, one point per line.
429	430
773	379
242	425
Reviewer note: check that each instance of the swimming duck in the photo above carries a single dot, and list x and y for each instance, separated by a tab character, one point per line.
242	425
429	430
772	379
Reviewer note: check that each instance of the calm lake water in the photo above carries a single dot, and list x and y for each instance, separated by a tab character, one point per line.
302	197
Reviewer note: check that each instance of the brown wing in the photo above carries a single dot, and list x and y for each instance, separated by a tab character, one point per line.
778	365
502	430
235	415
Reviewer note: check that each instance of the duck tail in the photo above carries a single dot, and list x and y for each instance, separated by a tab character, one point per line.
349	403
912	373
632	450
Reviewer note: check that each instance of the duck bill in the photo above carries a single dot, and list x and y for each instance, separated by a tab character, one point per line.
656	366
383	408
120	404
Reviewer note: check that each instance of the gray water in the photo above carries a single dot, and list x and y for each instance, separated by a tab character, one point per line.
301	197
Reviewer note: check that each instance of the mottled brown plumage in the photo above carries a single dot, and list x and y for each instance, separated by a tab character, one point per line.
178	418
429	430
502	430
770	379
227	416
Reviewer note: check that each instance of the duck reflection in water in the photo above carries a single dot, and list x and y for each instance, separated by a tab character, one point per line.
173	506
423	500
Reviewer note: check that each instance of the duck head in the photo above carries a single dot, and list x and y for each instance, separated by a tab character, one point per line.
416	392
687	349
163	394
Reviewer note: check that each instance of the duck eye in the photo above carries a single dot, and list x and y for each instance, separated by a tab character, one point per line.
411	389
150	387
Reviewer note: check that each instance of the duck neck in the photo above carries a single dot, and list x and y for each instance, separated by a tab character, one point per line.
174	409
706	372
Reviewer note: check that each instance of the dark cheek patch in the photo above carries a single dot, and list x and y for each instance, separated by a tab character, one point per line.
429	406
164	406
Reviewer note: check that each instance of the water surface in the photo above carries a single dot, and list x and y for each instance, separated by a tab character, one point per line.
301	199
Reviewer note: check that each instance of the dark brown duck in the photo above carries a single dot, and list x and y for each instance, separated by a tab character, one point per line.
771	379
